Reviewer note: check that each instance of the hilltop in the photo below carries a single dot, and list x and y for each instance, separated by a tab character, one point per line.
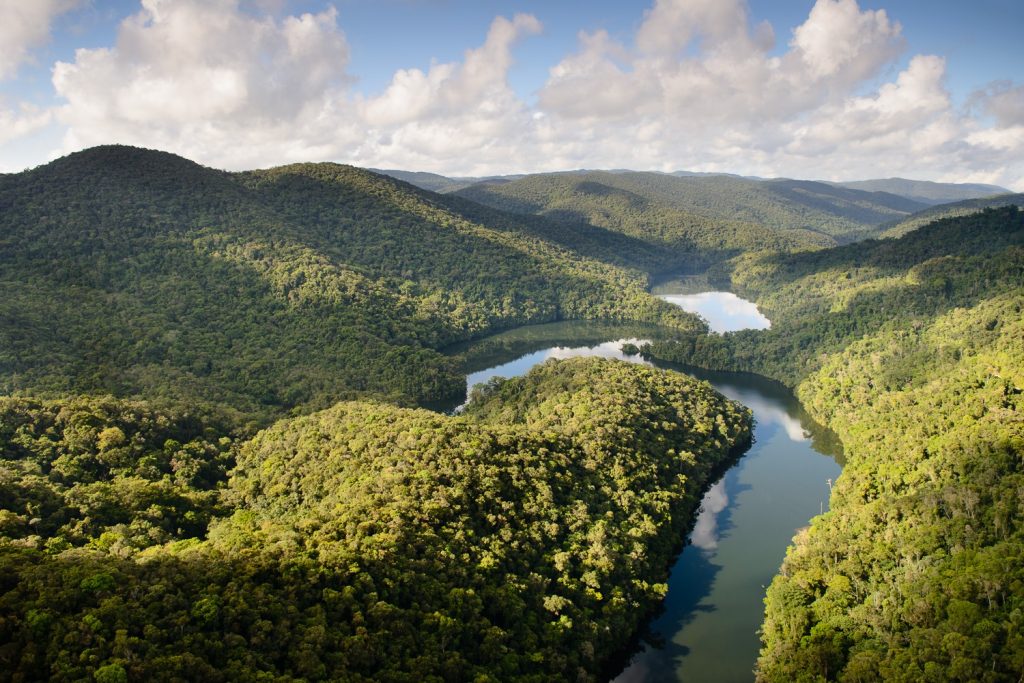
925	191
704	210
135	272
951	210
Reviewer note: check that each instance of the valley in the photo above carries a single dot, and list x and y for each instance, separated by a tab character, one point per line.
235	441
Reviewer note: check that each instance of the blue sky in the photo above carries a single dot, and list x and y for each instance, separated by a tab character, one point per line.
830	89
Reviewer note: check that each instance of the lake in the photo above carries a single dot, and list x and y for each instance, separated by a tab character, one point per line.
707	630
724	311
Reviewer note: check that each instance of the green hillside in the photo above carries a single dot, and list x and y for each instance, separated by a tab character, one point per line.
139	273
925	191
719	212
821	302
155	314
961	208
428	181
523	541
911	350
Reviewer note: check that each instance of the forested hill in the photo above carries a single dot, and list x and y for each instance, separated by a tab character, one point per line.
428	181
134	272
822	301
712	211
925	191
911	350
960	208
361	543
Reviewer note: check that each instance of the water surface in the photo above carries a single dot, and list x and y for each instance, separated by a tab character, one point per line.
714	605
707	629
724	311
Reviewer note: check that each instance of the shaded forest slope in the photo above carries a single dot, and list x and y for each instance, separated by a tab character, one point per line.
135	272
713	214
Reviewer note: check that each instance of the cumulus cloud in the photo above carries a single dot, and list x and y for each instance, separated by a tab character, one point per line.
205	79
701	63
477	83
699	85
25	25
455	112
703	88
839	41
1003	101
26	119
905	105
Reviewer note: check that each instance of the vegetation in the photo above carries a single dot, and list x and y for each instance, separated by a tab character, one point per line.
709	217
428	181
821	302
926	192
522	541
917	573
961	208
154	314
138	273
911	351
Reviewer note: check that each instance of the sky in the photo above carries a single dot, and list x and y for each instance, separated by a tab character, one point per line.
826	89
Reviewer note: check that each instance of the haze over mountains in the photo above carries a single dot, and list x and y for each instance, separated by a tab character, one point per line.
923	191
843	211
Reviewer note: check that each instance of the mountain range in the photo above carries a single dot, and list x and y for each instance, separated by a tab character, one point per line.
216	462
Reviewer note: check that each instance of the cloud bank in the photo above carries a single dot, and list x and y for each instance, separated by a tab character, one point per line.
698	86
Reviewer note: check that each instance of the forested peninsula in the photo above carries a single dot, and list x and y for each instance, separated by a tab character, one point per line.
217	461
211	464
523	541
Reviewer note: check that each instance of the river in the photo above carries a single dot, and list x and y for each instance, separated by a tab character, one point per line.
707	630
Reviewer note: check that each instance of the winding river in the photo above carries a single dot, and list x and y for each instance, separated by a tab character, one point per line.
707	629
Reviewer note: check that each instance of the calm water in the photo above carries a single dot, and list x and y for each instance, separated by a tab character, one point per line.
714	606
707	630
724	311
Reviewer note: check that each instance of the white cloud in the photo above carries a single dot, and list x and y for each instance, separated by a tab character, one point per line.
703	89
908	104
25	25
698	86
839	41
455	112
202	78
1003	101
21	122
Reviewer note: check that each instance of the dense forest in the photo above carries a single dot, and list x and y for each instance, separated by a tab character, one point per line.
215	461
965	207
139	273
820	302
911	350
713	215
524	540
926	191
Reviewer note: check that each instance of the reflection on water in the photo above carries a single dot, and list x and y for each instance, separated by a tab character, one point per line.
707	629
705	531
522	365
724	311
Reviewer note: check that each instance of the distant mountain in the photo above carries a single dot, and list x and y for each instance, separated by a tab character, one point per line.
963	208
925	191
428	181
728	211
692	174
440	183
